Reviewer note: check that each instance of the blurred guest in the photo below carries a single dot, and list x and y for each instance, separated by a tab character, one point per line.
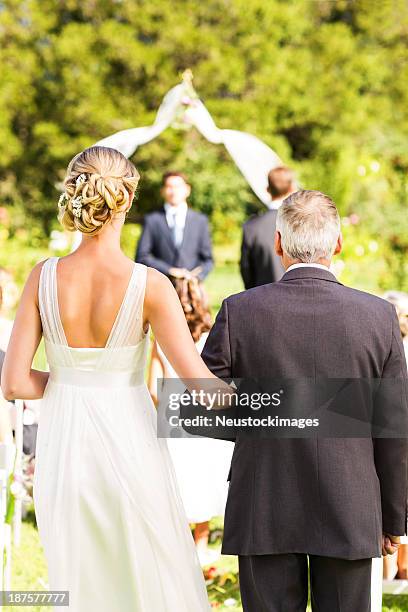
396	566
175	239
201	464
8	297
259	263
8	293
400	301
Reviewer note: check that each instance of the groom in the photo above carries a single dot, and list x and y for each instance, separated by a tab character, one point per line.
310	507
175	239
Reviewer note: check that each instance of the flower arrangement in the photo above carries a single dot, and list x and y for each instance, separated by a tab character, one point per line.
222	588
76	202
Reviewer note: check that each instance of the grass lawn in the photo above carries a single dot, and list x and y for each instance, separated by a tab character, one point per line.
29	572
28	566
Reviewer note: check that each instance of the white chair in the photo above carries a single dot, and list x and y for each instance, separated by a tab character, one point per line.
18	505
376	584
10	462
7	459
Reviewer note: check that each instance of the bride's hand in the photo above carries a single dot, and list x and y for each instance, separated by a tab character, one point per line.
215	394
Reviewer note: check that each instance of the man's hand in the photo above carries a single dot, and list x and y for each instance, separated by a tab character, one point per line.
390	544
195	271
179	272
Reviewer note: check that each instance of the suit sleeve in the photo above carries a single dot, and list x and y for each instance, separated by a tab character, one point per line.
205	255
217	349
245	261
216	354
145	250
391	454
217	357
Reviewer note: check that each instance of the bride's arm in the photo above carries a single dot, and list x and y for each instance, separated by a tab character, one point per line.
162	309
18	379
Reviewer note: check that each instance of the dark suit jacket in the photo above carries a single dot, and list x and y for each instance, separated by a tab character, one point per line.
156	247
323	496
259	263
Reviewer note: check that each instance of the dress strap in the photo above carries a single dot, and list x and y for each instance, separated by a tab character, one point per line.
48	303
128	327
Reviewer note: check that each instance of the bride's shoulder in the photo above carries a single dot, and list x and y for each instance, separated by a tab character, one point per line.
158	286
36	270
33	280
156	280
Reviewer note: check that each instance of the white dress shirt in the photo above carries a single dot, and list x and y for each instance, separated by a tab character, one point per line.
274	204
309	265
176	220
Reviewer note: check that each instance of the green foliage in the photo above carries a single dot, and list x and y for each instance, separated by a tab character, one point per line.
324	83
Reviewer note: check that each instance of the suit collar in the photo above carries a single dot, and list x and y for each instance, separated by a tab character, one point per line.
181	209
309	272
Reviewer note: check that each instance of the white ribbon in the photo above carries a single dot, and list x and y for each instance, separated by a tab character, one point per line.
252	156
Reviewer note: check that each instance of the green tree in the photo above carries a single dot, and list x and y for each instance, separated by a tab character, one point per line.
324	83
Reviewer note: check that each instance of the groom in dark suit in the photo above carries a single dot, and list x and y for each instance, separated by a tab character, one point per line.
175	239
315	507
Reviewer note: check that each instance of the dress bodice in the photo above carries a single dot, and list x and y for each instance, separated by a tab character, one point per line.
124	356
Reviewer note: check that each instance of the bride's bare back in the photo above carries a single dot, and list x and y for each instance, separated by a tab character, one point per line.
90	296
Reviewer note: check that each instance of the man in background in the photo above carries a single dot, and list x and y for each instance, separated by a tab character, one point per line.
259	263
175	239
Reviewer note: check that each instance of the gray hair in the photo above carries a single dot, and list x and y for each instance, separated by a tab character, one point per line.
309	225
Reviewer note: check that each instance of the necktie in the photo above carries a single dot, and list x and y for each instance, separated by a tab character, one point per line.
176	229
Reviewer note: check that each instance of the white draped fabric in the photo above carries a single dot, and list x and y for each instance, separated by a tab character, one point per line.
252	156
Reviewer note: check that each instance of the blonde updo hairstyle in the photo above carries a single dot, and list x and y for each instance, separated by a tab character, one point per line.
107	180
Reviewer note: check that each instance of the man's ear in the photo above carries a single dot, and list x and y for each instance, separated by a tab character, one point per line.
339	245
188	191
278	244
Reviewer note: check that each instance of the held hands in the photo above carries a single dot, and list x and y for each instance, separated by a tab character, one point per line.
390	544
178	272
184	273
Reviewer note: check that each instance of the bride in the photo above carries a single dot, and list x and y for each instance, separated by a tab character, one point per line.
108	509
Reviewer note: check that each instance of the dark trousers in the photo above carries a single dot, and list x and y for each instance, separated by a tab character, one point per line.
279	583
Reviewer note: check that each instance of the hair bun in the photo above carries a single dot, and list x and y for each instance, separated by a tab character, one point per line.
98	185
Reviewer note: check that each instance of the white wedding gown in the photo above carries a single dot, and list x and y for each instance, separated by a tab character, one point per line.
108	509
200	464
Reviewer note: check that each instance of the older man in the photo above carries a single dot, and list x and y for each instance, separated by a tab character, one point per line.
311	506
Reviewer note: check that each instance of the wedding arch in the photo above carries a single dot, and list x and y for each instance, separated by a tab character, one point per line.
181	106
